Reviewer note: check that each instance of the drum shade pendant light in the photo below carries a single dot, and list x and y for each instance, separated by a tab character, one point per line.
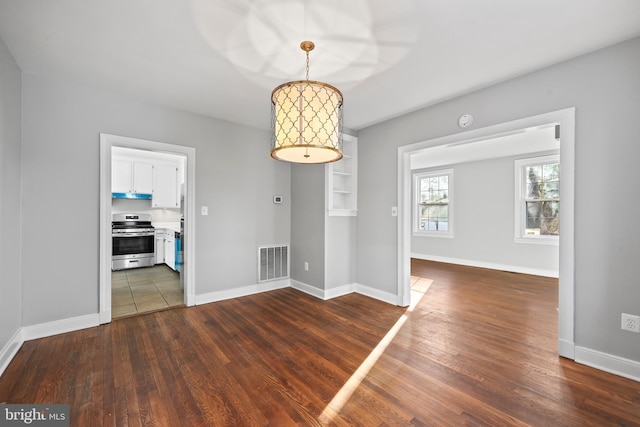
306	119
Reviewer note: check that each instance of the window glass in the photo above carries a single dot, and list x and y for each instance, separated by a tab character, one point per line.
538	207
433	202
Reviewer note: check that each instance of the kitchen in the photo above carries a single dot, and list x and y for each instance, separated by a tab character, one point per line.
147	223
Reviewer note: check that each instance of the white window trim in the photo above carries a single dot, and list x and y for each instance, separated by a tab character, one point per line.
519	234
416	210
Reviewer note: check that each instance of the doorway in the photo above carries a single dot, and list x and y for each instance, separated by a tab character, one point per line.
566	119
107	142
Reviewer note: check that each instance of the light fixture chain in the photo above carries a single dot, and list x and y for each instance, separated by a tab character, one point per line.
307	65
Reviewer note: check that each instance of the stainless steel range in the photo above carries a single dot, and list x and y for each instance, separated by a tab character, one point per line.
133	241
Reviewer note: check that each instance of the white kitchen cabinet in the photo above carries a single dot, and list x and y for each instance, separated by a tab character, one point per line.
142	178
121	176
170	249
166	193
131	177
159	246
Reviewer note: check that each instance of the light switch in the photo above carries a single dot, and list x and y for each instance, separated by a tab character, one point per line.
394	211
204	210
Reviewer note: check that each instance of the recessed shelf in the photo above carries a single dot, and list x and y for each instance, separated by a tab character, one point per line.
341	181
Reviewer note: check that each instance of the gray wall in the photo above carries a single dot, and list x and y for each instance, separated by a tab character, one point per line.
307	224
10	126
340	250
604	87
235	177
484	221
327	243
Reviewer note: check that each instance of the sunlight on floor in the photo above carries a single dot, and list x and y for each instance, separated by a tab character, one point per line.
419	287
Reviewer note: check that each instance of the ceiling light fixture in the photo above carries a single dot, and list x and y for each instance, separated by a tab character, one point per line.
306	120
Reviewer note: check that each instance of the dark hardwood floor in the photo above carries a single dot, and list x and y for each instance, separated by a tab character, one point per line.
478	349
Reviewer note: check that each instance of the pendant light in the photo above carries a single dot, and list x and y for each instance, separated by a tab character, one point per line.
306	120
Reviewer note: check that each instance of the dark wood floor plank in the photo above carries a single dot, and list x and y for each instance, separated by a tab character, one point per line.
478	349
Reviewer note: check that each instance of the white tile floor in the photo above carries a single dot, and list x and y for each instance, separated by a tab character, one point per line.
142	290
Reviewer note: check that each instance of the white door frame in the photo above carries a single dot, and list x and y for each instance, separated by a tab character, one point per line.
106	143
566	298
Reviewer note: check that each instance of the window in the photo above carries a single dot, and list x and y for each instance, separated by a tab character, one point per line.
538	199
433	207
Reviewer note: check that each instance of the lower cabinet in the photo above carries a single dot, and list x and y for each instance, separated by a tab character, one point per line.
166	247
159	246
170	249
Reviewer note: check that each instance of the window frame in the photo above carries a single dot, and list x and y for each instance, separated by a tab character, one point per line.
520	235
417	177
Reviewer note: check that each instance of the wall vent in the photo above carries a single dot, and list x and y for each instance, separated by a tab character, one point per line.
273	263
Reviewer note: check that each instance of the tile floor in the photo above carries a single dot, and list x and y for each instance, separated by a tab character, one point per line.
142	290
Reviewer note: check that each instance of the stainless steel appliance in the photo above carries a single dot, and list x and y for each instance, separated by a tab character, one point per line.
133	241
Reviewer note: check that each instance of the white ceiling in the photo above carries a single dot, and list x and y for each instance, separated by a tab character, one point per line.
222	58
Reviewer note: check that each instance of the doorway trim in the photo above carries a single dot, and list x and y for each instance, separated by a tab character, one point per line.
566	284
106	143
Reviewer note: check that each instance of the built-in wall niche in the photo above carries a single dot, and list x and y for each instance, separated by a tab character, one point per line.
342	180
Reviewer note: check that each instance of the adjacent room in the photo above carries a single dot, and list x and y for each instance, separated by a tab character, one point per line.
320	213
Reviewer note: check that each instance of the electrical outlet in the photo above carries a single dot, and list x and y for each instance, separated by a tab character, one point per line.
630	323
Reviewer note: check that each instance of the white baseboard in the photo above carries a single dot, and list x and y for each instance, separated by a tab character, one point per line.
377	294
323	294
308	289
345	290
489	265
240	292
10	349
608	363
340	291
60	326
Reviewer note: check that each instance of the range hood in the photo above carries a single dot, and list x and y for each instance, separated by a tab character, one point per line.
135	196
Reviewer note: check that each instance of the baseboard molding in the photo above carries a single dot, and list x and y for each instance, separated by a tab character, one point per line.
60	326
489	265
608	363
374	293
345	290
323	294
10	349
339	291
308	289
241	292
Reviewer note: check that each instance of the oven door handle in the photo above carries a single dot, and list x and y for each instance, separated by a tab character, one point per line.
145	234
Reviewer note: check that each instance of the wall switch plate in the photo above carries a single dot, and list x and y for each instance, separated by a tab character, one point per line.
630	323
306	266
204	210
394	211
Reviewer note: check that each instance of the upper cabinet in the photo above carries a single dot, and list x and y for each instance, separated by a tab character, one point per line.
143	173
166	188
342	180
131	177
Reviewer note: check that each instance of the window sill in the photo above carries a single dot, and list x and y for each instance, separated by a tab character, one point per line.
439	234
551	240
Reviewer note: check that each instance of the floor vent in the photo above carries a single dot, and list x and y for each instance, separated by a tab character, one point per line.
273	263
